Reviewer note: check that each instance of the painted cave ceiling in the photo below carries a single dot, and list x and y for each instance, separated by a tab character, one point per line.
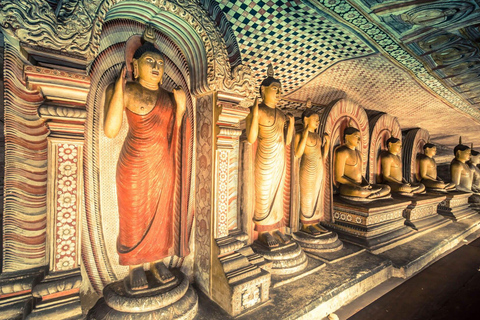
416	60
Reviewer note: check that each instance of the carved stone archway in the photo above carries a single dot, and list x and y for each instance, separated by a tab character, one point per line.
382	127
333	120
413	142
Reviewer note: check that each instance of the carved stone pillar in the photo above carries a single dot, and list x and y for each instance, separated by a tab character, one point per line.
64	115
240	282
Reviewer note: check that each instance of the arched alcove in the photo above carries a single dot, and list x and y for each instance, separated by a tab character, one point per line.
333	120
194	52
382	127
413	142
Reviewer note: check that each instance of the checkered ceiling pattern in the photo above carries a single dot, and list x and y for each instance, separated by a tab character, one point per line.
297	40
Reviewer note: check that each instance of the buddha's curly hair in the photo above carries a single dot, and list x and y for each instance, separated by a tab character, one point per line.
307	113
349	130
147	47
392	140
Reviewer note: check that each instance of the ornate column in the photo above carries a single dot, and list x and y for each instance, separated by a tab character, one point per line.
227	269
228	115
64	113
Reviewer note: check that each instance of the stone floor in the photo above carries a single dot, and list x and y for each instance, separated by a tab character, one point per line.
347	281
448	289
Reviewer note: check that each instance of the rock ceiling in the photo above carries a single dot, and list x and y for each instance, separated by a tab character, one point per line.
417	60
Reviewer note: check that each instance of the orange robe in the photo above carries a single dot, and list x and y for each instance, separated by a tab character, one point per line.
146	176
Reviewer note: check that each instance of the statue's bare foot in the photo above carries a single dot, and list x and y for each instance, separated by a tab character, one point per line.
374	195
375	190
321	228
161	272
137	278
310	228
268	239
450	186
283	237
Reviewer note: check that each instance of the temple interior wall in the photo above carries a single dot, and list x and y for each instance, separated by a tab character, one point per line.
60	240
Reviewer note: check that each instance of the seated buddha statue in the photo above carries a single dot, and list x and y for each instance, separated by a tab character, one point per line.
348	171
392	170
460	172
473	164
428	170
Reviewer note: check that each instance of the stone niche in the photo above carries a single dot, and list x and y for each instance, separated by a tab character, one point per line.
382	127
377	225
422	213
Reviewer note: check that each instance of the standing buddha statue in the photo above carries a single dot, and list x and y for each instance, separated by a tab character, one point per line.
265	125
147	165
312	150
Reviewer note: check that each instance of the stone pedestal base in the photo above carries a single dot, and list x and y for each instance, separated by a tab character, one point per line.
175	300
456	206
422	214
286	258
376	226
325	242
16	299
58	296
474	201
241	283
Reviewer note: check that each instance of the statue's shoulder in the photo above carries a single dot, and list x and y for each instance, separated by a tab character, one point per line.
342	150
387	155
421	157
455	163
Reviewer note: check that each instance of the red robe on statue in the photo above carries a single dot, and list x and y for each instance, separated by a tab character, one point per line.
146	179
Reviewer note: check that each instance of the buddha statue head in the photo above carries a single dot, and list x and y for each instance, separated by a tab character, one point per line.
352	137
148	64
311	119
394	145
462	152
270	88
430	150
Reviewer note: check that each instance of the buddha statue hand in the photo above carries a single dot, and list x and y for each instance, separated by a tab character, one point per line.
290	117
181	100
326	139
121	80
255	108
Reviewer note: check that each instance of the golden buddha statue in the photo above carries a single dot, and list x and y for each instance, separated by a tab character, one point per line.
348	171
428	170
392	170
312	150
473	164
460	172
265	125
146	168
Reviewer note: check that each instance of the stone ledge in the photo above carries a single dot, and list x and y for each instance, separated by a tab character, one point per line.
409	258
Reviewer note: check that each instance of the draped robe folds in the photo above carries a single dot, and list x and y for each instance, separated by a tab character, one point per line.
311	182
270	167
146	179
